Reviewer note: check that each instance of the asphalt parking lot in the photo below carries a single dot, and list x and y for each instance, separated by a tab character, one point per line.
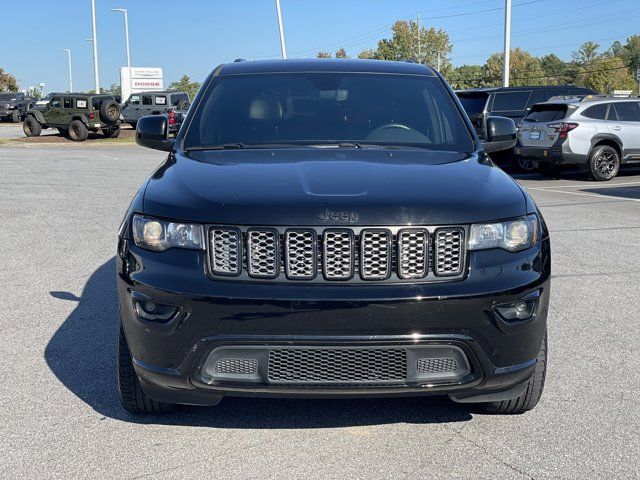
60	207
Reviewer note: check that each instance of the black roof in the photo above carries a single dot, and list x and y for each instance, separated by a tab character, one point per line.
325	65
502	89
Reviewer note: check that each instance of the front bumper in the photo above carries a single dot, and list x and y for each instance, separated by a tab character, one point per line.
173	360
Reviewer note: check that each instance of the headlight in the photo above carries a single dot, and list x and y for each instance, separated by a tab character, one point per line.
512	235
158	235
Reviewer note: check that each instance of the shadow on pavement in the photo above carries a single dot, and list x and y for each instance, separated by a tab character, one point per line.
81	355
614	191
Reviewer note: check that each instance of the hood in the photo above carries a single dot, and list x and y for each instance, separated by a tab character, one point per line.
331	187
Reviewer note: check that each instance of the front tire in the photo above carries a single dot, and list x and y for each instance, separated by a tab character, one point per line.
78	131
111	132
31	127
16	117
132	397
604	163
529	399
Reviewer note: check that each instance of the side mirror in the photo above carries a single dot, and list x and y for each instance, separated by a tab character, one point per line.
501	134
152	131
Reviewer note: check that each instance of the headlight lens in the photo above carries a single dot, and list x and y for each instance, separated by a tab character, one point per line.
512	235
159	235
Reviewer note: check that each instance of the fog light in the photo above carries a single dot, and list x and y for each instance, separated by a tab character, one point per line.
155	312
520	310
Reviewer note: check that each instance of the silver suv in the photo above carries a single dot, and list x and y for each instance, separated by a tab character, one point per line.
599	133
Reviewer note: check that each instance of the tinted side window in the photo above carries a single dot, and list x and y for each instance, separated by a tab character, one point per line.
598	112
55	103
147	100
175	99
68	103
626	111
506	101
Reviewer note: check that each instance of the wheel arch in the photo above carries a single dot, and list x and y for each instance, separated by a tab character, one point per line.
37	114
606	139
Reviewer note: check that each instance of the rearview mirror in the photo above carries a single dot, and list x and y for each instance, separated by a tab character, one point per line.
152	131
500	134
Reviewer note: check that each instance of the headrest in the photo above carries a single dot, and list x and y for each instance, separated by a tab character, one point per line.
265	109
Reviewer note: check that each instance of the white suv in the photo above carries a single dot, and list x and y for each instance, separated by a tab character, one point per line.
599	133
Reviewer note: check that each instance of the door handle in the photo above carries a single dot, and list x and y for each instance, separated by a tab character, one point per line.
617	128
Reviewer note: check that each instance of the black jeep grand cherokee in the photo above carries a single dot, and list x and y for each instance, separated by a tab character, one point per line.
330	229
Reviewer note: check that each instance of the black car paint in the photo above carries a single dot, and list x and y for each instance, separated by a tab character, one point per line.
294	186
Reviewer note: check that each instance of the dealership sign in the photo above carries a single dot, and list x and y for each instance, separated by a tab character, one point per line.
140	79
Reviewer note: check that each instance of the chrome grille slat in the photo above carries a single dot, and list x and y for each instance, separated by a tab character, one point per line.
355	254
413	253
263	258
449	251
226	251
375	254
338	254
301	250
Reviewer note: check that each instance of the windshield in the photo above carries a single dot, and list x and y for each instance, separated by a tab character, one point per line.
328	108
546	113
6	97
473	103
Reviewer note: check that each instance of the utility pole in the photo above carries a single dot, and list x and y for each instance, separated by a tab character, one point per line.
126	31
70	76
96	74
419	41
283	47
507	42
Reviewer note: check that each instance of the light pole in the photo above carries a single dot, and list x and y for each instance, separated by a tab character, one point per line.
126	31
96	73
283	47
507	43
70	75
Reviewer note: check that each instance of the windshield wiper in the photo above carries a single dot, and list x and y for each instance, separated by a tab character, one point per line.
225	146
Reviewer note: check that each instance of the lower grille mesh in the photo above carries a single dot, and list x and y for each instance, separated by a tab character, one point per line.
437	365
337	366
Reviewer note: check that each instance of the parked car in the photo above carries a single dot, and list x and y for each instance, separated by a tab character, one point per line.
14	106
511	102
75	115
153	103
330	228
600	133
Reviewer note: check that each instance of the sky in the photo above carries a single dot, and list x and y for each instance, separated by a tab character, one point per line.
194	36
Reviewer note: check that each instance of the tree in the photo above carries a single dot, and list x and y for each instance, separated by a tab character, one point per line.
185	85
467	76
113	89
630	53
605	74
323	55
34	93
408	42
8	82
554	69
341	53
524	69
587	52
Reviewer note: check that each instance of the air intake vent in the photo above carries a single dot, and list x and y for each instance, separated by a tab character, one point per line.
263	255
413	253
226	251
449	251
337	365
437	365
237	366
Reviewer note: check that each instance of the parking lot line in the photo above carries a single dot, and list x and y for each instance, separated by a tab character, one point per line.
591	185
624	199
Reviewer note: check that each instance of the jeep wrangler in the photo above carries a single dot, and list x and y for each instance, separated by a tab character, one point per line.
75	115
14	106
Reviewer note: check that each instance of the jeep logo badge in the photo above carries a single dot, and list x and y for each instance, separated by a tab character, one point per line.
342	216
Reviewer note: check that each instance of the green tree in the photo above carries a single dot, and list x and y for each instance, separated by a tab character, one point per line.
554	69
605	74
185	85
466	76
323	55
34	93
367	54
630	52
8	82
341	53
524	69
587	52
424	45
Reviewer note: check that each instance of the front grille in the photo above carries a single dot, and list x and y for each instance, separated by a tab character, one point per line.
338	254
337	366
